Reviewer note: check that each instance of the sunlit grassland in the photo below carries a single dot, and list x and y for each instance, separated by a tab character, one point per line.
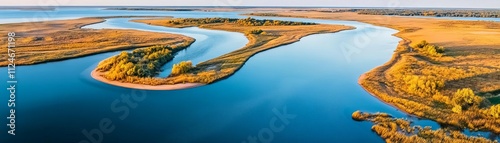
261	38
402	130
410	80
38	42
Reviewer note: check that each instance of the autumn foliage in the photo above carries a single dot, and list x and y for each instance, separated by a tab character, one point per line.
402	131
140	63
181	68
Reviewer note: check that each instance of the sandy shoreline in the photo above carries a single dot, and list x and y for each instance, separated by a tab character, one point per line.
396	56
97	76
363	77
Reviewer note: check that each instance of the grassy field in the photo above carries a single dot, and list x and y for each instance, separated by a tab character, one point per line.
432	86
401	130
261	38
38	42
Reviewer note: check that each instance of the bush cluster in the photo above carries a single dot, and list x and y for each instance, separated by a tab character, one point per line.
429	49
142	63
182	67
242	22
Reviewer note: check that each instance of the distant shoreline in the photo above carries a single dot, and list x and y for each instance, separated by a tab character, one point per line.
153	9
242	7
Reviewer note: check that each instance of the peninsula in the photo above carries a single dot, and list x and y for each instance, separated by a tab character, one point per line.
262	35
39	42
442	70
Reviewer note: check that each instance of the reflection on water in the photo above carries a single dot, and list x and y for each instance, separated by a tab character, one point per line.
314	79
209	44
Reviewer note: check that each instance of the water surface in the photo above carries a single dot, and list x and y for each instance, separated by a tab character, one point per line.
314	80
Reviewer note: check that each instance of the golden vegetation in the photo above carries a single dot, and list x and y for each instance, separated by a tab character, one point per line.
431	12
39	42
455	86
261	38
143	62
421	86
401	130
486	13
189	22
254	31
181	68
429	49
493	111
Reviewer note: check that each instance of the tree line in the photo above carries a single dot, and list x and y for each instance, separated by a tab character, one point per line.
143	62
487	13
242	22
431	12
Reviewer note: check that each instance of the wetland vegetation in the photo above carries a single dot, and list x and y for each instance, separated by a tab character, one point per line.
189	22
39	42
394	130
140	63
264	35
485	13
452	77
432	12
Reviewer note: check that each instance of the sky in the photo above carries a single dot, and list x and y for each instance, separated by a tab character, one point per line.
322	3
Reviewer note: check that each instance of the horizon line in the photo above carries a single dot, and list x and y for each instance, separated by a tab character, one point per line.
251	6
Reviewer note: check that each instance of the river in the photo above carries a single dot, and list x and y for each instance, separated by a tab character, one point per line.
302	92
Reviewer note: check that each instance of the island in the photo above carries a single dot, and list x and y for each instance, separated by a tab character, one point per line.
139	68
447	71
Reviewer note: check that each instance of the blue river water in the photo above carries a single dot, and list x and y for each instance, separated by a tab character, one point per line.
302	92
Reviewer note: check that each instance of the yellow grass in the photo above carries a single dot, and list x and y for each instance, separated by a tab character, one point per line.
38	42
401	130
471	60
225	65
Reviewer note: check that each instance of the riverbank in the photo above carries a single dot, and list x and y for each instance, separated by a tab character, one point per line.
469	61
99	76
47	41
261	38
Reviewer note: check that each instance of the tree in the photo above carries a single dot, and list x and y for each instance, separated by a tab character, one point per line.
465	97
422	44
457	109
254	31
494	111
429	49
182	67
423	86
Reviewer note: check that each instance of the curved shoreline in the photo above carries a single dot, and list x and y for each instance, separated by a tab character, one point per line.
97	76
381	69
231	62
86	21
